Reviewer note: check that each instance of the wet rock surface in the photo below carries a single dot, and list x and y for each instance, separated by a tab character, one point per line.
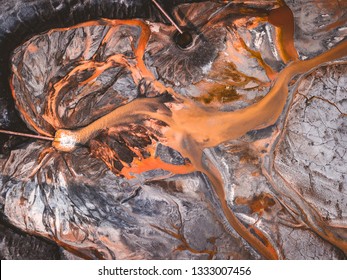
285	183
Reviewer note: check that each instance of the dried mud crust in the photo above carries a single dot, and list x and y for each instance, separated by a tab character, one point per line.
310	156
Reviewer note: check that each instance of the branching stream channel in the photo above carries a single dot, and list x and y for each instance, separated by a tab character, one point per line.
143	121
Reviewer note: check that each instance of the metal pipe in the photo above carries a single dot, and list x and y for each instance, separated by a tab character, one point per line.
167	16
27	135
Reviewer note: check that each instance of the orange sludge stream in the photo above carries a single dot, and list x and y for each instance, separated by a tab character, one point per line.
188	118
183	132
184	122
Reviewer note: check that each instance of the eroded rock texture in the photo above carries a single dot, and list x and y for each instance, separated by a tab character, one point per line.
231	148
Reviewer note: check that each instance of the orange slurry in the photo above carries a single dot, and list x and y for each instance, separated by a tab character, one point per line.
53	101
283	20
264	247
140	165
143	41
138	71
272	251
193	127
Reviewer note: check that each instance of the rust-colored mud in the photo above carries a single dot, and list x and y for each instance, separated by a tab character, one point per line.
283	19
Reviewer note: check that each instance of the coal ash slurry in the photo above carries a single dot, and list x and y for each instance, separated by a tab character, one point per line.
183	119
184	134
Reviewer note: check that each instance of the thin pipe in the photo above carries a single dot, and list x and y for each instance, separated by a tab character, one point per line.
167	16
27	135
